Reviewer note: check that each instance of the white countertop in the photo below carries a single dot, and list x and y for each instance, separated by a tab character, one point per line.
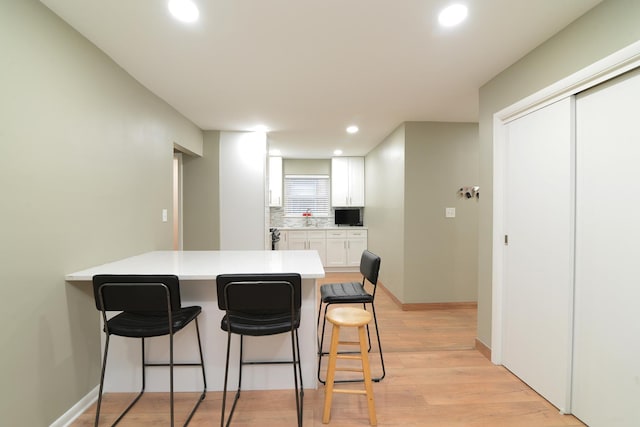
207	265
332	227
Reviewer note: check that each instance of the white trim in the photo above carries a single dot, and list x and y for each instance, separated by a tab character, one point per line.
76	410
497	294
605	69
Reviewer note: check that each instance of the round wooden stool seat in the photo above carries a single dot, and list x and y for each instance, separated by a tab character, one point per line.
348	317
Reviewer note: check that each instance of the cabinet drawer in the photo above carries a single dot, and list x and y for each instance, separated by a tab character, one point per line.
318	234
297	234
357	233
336	234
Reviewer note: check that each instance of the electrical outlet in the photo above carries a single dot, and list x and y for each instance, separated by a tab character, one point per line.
449	212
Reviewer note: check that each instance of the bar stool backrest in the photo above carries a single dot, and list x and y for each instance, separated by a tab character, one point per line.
370	266
258	294
136	293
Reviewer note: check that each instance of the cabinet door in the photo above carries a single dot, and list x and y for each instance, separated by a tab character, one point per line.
297	240
275	181
319	244
336	252
355	247
340	181
356	181
283	244
297	244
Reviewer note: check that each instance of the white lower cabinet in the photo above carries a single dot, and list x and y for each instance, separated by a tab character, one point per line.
337	248
308	240
344	247
356	244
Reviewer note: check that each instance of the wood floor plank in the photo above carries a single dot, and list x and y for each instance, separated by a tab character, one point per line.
435	378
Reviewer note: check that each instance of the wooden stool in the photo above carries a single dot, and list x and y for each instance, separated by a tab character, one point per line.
355	317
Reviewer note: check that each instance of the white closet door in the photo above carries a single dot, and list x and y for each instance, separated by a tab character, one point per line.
538	276
606	381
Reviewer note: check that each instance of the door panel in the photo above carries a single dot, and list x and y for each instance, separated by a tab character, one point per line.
606	381
538	285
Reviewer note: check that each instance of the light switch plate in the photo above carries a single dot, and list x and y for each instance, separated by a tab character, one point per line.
449	212
165	215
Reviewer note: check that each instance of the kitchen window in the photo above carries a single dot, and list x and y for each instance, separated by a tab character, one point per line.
306	192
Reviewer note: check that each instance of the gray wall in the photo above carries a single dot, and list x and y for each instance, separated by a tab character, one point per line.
605	29
440	253
384	198
410	178
86	169
201	196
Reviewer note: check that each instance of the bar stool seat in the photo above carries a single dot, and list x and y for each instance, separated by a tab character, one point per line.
348	317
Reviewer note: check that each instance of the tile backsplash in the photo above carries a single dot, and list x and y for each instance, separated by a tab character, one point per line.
277	219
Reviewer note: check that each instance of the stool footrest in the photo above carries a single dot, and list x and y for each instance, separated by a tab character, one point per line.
348	391
345	357
349	370
349	343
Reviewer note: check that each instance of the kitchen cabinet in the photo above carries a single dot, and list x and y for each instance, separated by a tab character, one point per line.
283	244
336	248
308	240
275	181
347	181
344	247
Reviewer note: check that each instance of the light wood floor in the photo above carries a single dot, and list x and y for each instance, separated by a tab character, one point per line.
435	377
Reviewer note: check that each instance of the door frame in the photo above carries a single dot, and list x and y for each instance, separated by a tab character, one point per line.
605	69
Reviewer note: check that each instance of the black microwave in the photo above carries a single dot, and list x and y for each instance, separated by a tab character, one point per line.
347	217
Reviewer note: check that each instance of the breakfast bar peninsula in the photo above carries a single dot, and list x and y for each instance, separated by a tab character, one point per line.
197	271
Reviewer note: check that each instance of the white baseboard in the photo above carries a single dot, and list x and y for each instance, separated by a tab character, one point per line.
76	410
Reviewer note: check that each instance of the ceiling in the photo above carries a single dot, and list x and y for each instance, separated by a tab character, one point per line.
308	69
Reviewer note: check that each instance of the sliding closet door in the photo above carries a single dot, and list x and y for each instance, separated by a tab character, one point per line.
606	381
538	259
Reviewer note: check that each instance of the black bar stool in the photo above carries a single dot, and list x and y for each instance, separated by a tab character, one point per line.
260	305
350	293
150	306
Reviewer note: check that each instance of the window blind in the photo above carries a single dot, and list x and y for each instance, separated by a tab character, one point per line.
302	192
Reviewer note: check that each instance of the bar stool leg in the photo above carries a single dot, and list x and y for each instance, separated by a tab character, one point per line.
364	352
331	373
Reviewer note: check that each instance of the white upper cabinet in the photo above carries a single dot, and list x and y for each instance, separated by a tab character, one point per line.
347	181
275	181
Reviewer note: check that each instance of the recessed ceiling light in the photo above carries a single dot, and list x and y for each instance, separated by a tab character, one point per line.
352	129
184	10
452	15
337	152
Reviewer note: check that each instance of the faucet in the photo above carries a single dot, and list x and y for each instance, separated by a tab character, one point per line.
307	216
